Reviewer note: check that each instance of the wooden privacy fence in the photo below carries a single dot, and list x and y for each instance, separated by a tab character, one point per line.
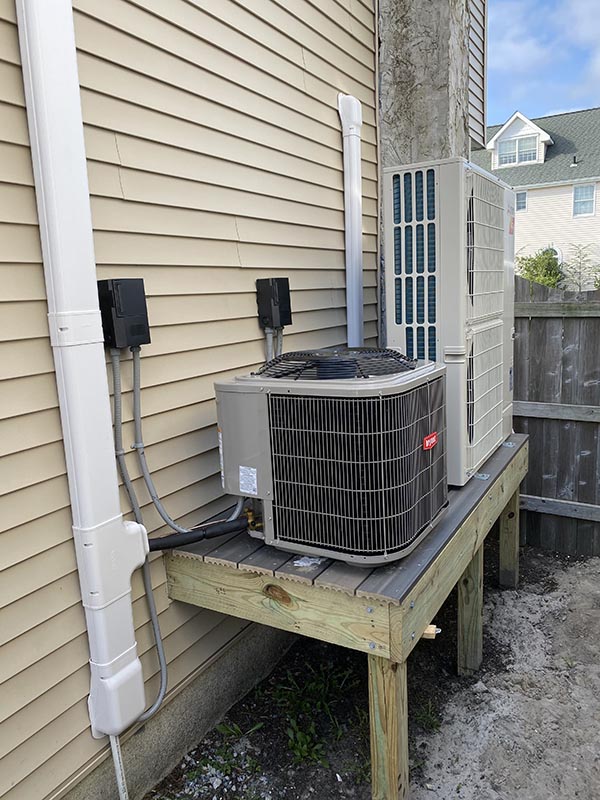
557	402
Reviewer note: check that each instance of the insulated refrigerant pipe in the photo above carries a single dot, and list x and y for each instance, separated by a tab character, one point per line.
350	111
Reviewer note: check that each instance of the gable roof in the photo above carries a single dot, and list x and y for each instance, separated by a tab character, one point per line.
575	133
544	136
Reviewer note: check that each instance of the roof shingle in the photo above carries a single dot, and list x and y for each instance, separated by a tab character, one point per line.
575	133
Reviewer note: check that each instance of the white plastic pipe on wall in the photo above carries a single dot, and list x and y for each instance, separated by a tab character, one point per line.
108	548
350	111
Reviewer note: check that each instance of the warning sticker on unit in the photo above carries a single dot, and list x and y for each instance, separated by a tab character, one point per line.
248	481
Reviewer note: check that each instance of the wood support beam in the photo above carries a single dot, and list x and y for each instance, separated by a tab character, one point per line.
354	622
388	706
557	310
470	616
509	544
566	411
560	508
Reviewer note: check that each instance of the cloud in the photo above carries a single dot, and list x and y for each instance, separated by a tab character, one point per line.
579	22
543	54
519	45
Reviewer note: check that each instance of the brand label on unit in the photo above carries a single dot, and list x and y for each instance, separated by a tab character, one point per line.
429	442
248	481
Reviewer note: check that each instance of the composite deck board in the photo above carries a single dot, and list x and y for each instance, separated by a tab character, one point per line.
343	577
297	569
232	552
265	560
391	582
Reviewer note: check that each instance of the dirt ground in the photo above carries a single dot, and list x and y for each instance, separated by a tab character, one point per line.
527	726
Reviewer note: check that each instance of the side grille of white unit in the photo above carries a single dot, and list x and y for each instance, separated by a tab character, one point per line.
485	246
415	260
484	391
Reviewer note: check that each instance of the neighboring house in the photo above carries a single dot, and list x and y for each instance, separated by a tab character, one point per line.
214	158
553	163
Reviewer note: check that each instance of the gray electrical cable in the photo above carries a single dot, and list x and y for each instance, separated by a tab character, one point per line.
269	343
115	357
139	448
115	747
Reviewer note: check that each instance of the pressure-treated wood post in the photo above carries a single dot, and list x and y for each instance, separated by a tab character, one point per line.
388	706
509	544
470	616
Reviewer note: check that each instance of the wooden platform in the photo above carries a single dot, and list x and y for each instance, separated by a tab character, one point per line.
381	611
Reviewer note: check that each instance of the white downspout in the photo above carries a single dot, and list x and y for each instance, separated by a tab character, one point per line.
350	111
108	549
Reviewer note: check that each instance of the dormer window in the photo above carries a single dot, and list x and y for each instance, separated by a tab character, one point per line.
517	151
518	141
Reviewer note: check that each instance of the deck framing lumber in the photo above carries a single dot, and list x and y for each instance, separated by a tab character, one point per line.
354	622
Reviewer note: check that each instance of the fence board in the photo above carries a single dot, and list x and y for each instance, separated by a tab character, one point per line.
557	396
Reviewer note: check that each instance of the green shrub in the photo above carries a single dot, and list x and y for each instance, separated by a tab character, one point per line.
542	267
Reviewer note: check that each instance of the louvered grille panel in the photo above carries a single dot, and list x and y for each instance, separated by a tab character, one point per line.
485	247
350	475
485	391
414	203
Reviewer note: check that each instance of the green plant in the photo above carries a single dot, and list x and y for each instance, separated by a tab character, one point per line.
427	718
233	731
581	272
542	267
308	700
305	744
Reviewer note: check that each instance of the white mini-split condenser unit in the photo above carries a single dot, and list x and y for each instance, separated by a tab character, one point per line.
346	449
449	270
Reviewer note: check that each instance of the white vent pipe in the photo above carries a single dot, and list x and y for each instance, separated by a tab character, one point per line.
351	117
108	549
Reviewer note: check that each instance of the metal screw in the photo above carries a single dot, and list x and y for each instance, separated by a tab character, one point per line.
412	603
369	610
413	634
371	645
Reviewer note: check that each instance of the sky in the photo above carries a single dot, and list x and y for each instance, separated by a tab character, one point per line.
543	57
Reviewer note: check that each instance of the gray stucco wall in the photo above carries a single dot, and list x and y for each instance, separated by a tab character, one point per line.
423	80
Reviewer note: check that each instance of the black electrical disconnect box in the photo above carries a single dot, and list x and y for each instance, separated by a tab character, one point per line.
273	299
124	312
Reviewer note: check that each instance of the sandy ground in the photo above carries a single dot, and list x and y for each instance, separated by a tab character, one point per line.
527	726
532	729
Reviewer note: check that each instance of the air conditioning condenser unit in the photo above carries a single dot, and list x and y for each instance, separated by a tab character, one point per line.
346	449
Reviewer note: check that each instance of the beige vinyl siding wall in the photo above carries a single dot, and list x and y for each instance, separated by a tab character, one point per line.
477	69
549	220
214	158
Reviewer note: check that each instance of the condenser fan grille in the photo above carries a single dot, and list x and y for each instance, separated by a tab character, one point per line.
353	475
340	364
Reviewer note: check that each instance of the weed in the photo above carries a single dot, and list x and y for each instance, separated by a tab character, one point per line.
569	662
426	717
310	699
305	744
233	731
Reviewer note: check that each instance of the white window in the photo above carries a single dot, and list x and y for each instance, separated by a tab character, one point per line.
583	199
517	151
521	201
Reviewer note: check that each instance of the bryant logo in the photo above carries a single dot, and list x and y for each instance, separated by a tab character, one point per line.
430	441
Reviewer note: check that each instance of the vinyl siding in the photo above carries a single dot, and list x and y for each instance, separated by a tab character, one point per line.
549	220
477	69
214	158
